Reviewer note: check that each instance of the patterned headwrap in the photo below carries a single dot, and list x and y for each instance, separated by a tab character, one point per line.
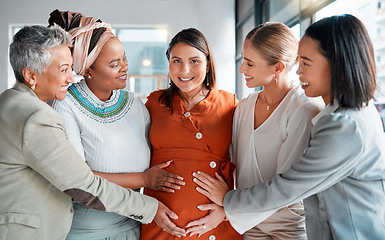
82	34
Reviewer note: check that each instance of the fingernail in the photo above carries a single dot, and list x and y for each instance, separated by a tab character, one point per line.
198	172
199	207
194	174
194	179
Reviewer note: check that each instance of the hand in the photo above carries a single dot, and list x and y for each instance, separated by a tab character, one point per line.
162	219
212	188
158	179
212	220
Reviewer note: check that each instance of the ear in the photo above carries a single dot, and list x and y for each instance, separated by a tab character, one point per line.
30	76
280	67
87	74
207	67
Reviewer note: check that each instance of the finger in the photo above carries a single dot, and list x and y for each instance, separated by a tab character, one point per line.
172	215
173	229
194	230
164	165
195	223
203	177
171	185
173	179
172	175
201	184
203	192
165	189
219	177
206	207
177	231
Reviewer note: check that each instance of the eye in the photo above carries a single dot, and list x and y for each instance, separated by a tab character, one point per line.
64	70
177	61
250	65
194	61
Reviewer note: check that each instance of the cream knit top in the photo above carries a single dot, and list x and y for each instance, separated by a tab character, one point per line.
111	136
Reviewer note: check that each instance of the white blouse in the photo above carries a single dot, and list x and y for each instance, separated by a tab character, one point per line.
261	153
111	136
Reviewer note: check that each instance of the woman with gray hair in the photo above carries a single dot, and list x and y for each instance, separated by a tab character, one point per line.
40	171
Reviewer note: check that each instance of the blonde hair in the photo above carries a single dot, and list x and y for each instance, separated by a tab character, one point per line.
275	42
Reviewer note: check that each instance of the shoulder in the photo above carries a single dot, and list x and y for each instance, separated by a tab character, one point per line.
339	123
246	103
224	96
154	96
303	105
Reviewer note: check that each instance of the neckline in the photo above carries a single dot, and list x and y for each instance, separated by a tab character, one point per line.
287	96
209	98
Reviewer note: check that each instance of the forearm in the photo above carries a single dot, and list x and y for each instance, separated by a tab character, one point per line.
126	180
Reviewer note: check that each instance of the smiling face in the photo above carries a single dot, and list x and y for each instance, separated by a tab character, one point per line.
187	68
314	70
255	68
53	83
109	71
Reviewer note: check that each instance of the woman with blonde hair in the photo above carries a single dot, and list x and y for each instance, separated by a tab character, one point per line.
270	127
341	173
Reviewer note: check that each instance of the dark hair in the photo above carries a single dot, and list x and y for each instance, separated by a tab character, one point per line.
196	39
345	42
61	18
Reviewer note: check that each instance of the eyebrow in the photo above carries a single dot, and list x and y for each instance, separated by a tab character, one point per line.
189	58
114	60
64	64
248	59
118	59
306	58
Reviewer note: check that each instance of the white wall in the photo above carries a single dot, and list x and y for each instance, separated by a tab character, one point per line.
214	18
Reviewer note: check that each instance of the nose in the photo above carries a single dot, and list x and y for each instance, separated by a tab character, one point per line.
242	68
125	66
298	72
70	78
185	68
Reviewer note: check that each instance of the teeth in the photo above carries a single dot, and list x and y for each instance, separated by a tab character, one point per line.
185	79
64	88
122	77
304	83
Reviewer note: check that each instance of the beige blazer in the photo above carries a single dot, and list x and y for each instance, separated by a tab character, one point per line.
40	172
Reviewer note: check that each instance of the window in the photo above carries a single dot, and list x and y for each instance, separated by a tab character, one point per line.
147	64
372	15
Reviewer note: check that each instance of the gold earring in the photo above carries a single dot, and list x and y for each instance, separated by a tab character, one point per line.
275	79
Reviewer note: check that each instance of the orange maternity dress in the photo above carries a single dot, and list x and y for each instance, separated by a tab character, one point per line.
196	140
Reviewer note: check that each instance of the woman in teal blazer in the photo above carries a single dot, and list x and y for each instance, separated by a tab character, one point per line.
341	174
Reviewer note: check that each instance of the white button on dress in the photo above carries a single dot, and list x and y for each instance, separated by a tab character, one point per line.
198	135
213	164
212	237
187	114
